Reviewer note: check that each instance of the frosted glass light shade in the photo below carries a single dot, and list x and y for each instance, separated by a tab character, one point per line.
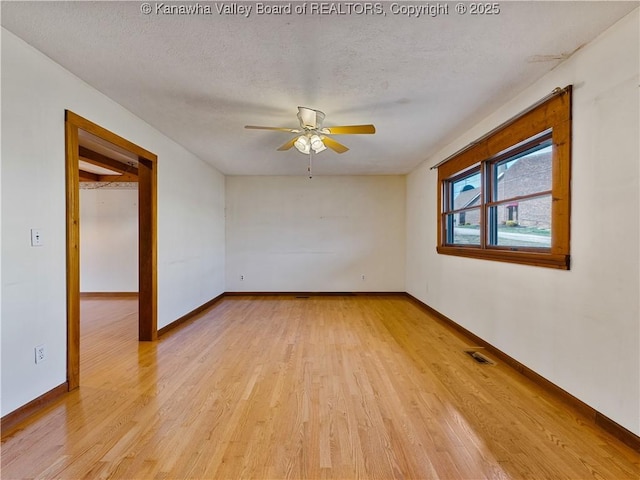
302	144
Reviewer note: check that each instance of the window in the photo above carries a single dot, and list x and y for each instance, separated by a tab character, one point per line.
506	197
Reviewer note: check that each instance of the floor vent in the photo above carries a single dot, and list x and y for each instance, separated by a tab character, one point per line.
479	358
302	296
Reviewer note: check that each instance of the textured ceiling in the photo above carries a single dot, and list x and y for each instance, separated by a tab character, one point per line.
200	78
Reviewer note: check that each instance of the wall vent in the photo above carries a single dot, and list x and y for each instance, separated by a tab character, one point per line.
479	357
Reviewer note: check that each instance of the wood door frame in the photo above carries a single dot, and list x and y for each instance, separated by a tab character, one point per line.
147	237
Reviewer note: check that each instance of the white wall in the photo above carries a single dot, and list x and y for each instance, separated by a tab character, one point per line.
320	234
109	240
35	93
578	328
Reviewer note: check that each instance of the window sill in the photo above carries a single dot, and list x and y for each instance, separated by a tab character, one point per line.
538	259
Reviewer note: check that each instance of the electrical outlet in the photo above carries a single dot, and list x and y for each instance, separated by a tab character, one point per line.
241	277
40	353
363	277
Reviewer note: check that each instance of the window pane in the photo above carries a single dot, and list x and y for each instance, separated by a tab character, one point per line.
516	181
466	192
463	228
524	174
522	224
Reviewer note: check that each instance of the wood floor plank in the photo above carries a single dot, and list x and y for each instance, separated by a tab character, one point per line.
339	387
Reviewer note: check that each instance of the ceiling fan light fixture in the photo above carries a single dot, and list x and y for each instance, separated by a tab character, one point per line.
302	144
317	144
312	136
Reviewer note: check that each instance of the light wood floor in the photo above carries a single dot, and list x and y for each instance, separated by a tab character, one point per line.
324	387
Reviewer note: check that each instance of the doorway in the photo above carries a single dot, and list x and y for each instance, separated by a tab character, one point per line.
146	170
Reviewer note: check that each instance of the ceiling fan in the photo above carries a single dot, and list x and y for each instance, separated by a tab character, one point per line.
312	136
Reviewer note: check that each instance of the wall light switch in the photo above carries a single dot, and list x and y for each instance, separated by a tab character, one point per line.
36	237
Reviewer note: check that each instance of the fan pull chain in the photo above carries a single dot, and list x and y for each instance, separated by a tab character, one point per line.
310	164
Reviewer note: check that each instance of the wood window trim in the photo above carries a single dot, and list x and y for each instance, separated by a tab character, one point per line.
552	115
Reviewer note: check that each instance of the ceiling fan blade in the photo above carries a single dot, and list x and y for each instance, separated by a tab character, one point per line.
287	145
290	130
333	145
349	129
